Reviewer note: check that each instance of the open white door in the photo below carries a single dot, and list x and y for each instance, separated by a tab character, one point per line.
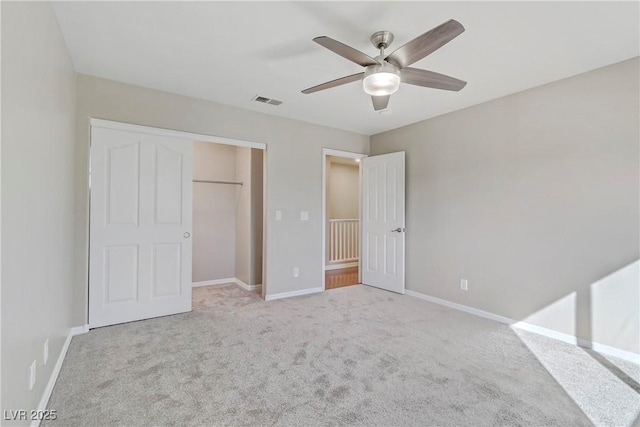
140	246
382	256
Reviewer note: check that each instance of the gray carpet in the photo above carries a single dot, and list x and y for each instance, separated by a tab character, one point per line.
350	356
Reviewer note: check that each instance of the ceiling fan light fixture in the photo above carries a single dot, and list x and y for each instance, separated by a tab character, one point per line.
381	84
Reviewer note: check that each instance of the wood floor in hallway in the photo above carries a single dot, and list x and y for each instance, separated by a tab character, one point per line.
341	278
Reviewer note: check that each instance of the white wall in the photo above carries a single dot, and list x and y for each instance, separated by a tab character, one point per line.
38	110
343	194
534	198
214	212
290	186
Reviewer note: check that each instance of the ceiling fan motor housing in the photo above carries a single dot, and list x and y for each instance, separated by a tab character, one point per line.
381	39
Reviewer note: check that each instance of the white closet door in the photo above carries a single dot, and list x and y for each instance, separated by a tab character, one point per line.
140	229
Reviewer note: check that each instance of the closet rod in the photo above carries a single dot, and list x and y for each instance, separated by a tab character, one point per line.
218	182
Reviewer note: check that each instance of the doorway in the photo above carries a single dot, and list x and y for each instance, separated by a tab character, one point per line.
381	228
228	220
341	218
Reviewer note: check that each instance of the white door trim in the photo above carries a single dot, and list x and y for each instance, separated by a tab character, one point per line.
110	124
331	152
100	123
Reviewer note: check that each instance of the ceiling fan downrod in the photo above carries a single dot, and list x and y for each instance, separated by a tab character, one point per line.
381	40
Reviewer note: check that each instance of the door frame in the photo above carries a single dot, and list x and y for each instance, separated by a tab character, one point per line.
109	124
351	155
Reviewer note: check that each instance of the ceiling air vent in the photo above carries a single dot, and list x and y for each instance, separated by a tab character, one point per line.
265	100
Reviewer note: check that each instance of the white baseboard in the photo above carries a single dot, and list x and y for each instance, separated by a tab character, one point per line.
460	307
213	282
227	281
46	394
610	351
79	330
341	265
270	297
560	336
245	286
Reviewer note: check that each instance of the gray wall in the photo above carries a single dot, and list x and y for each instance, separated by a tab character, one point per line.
534	198
214	212
38	96
291	186
343	191
257	215
249	215
243	216
227	219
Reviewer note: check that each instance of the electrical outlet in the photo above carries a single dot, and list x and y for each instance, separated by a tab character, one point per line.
304	216
32	375
296	272
464	284
45	355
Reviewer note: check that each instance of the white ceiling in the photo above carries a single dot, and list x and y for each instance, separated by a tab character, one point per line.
230	51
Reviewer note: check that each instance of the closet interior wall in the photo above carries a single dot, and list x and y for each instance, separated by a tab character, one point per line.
249	216
227	218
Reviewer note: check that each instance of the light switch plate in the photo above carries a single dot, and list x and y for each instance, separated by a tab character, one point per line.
278	215
304	216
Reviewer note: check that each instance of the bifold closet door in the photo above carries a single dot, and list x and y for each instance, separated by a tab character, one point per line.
140	246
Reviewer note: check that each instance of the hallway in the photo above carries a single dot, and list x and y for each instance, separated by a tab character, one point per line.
341	278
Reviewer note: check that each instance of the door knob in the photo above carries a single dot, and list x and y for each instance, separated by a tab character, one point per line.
398	230
187	235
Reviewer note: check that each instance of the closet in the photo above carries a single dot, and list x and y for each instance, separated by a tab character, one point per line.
227	215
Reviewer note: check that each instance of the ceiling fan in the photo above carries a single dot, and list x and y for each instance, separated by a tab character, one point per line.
383	74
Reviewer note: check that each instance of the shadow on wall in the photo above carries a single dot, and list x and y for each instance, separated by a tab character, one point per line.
614	311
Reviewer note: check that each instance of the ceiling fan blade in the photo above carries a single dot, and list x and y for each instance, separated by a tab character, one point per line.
345	51
380	102
334	83
415	76
425	44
